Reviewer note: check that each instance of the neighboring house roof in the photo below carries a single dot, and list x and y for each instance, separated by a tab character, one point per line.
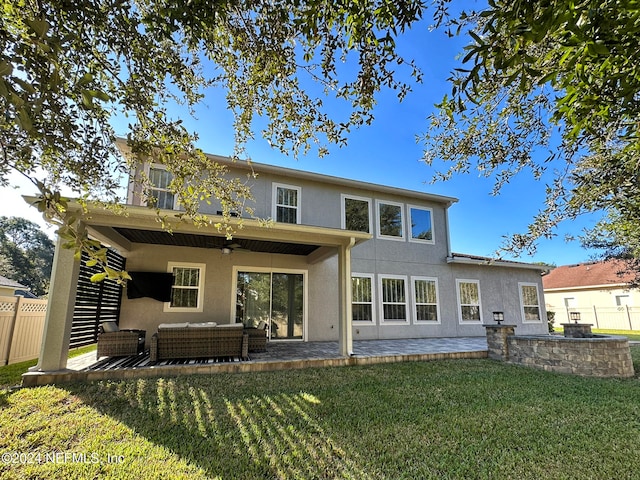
464	258
7	282
589	274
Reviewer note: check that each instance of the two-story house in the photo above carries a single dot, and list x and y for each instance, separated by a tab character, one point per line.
342	260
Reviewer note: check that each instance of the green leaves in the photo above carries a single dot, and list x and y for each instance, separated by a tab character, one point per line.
38	26
547	85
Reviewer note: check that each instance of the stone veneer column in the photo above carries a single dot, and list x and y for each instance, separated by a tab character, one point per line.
497	348
577	330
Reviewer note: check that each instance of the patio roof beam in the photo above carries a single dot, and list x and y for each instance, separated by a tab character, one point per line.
109	237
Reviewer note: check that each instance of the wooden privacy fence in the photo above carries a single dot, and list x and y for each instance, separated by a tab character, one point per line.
21	327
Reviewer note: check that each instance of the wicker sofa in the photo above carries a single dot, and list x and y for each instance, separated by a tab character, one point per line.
199	340
257	337
113	342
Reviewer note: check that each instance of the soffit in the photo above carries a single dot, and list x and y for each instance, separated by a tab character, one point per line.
179	239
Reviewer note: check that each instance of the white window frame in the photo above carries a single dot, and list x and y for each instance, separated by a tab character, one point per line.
200	287
468	322
409	229
415	304
381	302
274	201
522	305
158	166
305	293
370	276
379	224
343	210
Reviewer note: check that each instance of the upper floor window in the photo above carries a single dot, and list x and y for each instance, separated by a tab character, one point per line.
421	219
390	220
469	306
187	290
286	203
356	214
530	302
160	196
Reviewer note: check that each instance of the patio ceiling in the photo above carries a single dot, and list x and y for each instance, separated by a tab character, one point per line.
179	239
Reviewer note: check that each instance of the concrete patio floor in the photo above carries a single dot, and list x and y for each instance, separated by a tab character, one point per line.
279	356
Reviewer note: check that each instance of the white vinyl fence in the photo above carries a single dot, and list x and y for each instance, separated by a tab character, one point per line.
623	317
21	327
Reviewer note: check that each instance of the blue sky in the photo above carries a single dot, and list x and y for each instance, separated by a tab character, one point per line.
387	153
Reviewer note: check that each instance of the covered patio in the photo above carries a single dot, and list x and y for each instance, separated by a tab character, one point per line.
279	356
134	235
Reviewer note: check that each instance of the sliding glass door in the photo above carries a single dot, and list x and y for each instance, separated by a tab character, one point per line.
275	298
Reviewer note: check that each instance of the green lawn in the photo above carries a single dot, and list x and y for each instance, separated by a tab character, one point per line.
631	334
446	419
11	375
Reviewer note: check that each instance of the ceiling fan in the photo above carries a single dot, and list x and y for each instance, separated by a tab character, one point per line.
230	247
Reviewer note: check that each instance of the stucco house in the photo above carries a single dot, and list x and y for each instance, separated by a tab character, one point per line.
9	287
598	291
343	260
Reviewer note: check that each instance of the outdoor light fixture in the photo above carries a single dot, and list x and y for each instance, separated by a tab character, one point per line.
575	316
498	317
226	250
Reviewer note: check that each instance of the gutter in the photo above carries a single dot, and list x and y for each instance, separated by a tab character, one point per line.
489	262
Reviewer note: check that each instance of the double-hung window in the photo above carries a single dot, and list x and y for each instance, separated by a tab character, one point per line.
390	220
187	290
469	307
530	302
393	298
421	221
159	195
356	214
362	298
286	203
425	295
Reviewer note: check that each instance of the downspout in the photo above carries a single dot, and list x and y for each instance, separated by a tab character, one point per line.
446	226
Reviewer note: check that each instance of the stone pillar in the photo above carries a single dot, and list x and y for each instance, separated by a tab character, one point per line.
577	330
497	348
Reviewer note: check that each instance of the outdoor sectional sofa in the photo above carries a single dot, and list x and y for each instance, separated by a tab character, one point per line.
113	342
199	340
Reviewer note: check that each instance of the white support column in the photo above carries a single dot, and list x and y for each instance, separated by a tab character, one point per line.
345	339
62	296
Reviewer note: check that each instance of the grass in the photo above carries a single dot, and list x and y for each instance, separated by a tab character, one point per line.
446	419
631	334
11	375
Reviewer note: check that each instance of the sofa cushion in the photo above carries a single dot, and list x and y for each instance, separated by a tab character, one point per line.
163	326
202	324
109	327
231	325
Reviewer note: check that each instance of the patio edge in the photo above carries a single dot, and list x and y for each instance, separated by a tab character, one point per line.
35	379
